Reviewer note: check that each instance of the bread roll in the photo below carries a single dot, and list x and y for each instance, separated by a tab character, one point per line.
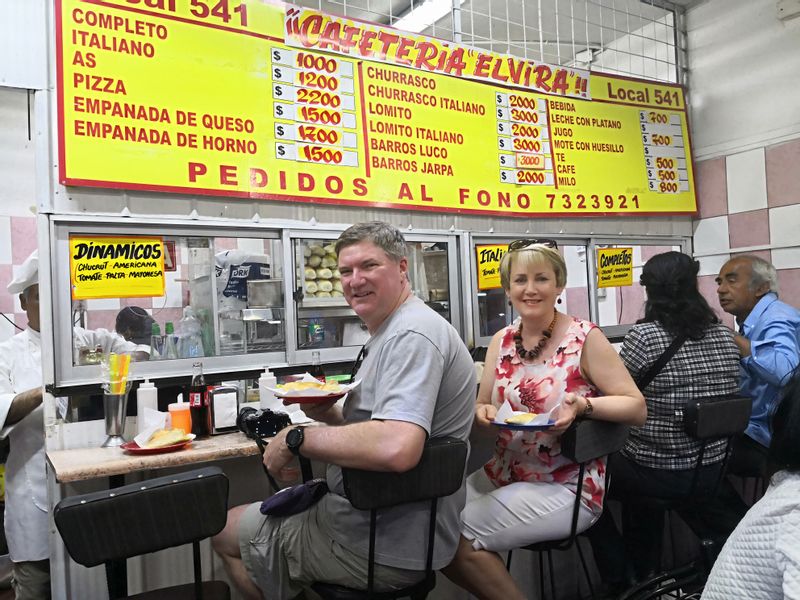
314	261
328	262
336	294
323	285
310	273
322	295
165	437
311	287
324	274
521	419
317	250
330	249
337	286
306	252
336	274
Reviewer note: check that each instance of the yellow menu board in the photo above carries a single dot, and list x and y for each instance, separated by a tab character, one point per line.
246	99
116	267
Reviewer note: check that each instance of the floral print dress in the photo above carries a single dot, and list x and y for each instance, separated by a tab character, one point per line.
536	456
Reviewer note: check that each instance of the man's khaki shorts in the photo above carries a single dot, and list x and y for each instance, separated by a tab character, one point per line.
31	580
285	555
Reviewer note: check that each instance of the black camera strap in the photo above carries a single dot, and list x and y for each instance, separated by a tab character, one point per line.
261	447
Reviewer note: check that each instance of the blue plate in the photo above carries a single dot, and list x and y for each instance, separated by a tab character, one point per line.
542	427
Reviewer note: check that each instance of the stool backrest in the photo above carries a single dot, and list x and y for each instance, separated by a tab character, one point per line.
143	517
589	439
439	473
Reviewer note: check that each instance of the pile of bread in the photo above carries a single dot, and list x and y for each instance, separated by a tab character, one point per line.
322	277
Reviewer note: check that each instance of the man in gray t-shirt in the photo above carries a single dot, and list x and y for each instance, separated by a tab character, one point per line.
418	381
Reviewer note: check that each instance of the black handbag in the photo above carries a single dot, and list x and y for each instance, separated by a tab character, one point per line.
295	499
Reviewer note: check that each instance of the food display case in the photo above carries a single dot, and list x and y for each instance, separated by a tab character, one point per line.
325	322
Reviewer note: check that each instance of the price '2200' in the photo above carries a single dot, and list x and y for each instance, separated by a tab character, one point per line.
307	96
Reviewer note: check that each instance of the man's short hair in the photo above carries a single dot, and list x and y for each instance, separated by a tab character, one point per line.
762	272
386	237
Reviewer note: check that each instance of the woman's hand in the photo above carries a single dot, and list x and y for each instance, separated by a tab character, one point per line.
571	408
485	414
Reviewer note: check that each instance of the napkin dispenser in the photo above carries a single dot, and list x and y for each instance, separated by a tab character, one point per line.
223	408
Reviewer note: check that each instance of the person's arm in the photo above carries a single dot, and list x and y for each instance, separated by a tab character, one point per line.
408	372
23	404
776	355
485	411
622	401
371	445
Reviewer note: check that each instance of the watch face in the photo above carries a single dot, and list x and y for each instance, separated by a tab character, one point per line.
294	439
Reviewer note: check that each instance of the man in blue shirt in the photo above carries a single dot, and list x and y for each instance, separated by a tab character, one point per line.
769	344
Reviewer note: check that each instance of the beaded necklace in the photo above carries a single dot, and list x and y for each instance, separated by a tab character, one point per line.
533	353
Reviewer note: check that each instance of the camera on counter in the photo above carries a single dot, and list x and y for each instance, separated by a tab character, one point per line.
258	423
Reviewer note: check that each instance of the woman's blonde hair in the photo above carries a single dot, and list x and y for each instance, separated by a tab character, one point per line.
535	254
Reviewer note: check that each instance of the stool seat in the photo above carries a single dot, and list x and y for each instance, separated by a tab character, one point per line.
329	591
212	590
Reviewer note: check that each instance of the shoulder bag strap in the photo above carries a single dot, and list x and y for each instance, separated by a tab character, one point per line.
645	380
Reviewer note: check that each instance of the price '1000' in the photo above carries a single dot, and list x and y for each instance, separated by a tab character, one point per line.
316	62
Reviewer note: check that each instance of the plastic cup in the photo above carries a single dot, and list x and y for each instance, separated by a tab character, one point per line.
180	416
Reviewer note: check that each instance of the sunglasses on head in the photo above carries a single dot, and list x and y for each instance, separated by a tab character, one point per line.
526	243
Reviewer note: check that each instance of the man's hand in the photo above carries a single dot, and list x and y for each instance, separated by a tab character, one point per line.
323	412
743	344
278	458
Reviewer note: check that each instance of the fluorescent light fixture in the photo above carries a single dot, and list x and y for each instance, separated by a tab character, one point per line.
422	16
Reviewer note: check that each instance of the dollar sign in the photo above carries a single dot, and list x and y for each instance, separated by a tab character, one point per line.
500	128
276	74
278	90
281	151
499	114
503	175
502	160
276	55
280	130
279	111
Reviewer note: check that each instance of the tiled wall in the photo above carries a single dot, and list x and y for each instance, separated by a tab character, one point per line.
750	203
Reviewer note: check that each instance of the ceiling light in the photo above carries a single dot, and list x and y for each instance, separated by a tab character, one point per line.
422	16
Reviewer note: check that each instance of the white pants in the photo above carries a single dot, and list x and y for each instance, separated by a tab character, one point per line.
518	514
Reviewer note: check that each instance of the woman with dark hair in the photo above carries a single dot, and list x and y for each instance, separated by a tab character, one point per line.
761	560
659	457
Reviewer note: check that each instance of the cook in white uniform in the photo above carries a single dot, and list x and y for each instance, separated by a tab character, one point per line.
21	417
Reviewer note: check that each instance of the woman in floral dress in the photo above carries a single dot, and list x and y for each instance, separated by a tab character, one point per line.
526	492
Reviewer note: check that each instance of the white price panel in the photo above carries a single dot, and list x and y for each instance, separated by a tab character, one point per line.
667	174
311	80
502	113
523	177
310	61
316	134
670	151
526	116
657	117
668	187
314	115
671	130
660	139
312	97
528	145
536	132
526	102
521	160
312	153
665	162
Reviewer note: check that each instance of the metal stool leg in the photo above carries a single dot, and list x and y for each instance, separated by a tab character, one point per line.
551	574
586	573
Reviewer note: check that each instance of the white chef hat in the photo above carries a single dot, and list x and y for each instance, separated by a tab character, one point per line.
27	275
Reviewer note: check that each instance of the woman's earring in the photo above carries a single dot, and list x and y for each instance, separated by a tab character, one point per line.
558	301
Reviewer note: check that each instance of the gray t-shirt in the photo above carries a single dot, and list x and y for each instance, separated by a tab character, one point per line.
416	369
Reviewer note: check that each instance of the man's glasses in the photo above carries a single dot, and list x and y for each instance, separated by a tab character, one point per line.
526	243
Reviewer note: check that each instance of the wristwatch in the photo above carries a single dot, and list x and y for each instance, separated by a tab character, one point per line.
294	439
588	409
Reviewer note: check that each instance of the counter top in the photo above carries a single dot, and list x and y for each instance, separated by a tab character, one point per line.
91	463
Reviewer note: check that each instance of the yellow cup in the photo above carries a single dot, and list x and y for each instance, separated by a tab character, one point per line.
180	416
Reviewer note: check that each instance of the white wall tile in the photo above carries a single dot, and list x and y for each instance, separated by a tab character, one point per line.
711	235
103	304
746	173
710	265
784	230
5	241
